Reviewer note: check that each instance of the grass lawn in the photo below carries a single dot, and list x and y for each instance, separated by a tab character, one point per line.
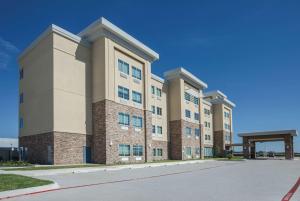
53	167
230	159
13	182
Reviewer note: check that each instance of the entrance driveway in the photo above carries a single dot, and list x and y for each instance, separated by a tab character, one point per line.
253	180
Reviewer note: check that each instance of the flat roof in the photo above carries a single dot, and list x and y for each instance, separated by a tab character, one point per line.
276	132
216	92
221	98
103	27
157	78
186	75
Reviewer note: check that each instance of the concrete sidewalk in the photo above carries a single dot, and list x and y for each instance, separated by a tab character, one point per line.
35	173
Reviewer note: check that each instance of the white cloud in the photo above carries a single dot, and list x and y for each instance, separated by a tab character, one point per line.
7	51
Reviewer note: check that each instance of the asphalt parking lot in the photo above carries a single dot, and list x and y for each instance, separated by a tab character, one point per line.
255	180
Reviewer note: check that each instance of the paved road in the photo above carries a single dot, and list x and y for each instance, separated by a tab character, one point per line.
259	180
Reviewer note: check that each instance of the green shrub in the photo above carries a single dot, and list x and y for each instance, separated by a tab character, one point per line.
14	163
229	156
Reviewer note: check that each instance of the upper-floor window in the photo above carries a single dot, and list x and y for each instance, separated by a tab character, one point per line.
188	131
226	114
137	150
206	111
21	123
196	116
153	109
187	113
123	92
153	129
187	96
136	97
21	98
158	92
153	90
124	119
227	126
136	73
159	130
197	132
124	150
21	74
159	111
123	66
196	101
207	124
137	121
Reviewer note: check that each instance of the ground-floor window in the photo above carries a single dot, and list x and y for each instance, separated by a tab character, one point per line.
124	150
188	151
157	152
137	150
197	150
208	151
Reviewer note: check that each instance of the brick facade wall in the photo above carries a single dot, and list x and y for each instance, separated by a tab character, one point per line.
64	148
219	143
162	145
179	140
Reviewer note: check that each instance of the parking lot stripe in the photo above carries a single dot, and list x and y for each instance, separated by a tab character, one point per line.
290	194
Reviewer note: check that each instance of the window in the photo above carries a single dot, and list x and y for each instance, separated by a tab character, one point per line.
188	151
196	101
157	152
206	111
206	138
208	124
21	123
187	113
21	98
136	97
21	74
197	132
137	150
123	66
158	111
124	119
153	90
137	122
227	126
124	150
153	109
226	114
197	150
196	116
187	96
159	130
123	92
153	129
158	92
188	131
136	73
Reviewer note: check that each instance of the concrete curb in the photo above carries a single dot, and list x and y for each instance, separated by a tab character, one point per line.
49	172
24	191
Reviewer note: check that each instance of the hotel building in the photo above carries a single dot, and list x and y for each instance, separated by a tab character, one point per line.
92	97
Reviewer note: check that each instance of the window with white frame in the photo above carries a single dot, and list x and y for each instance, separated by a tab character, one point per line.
158	92
197	150
137	122
136	73
196	116
157	152
196	101
159	130
188	131
123	66
123	93
124	119
159	111
124	150
197	132
136	97
187	96
153	129
188	113
188	151
137	150
153	109
153	90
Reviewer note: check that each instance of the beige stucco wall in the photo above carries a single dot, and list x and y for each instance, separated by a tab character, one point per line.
189	105
72	86
175	93
105	62
161	102
37	87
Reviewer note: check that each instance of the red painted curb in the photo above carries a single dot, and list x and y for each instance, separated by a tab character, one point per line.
290	194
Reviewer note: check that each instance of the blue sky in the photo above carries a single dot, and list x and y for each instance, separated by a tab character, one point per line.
247	49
